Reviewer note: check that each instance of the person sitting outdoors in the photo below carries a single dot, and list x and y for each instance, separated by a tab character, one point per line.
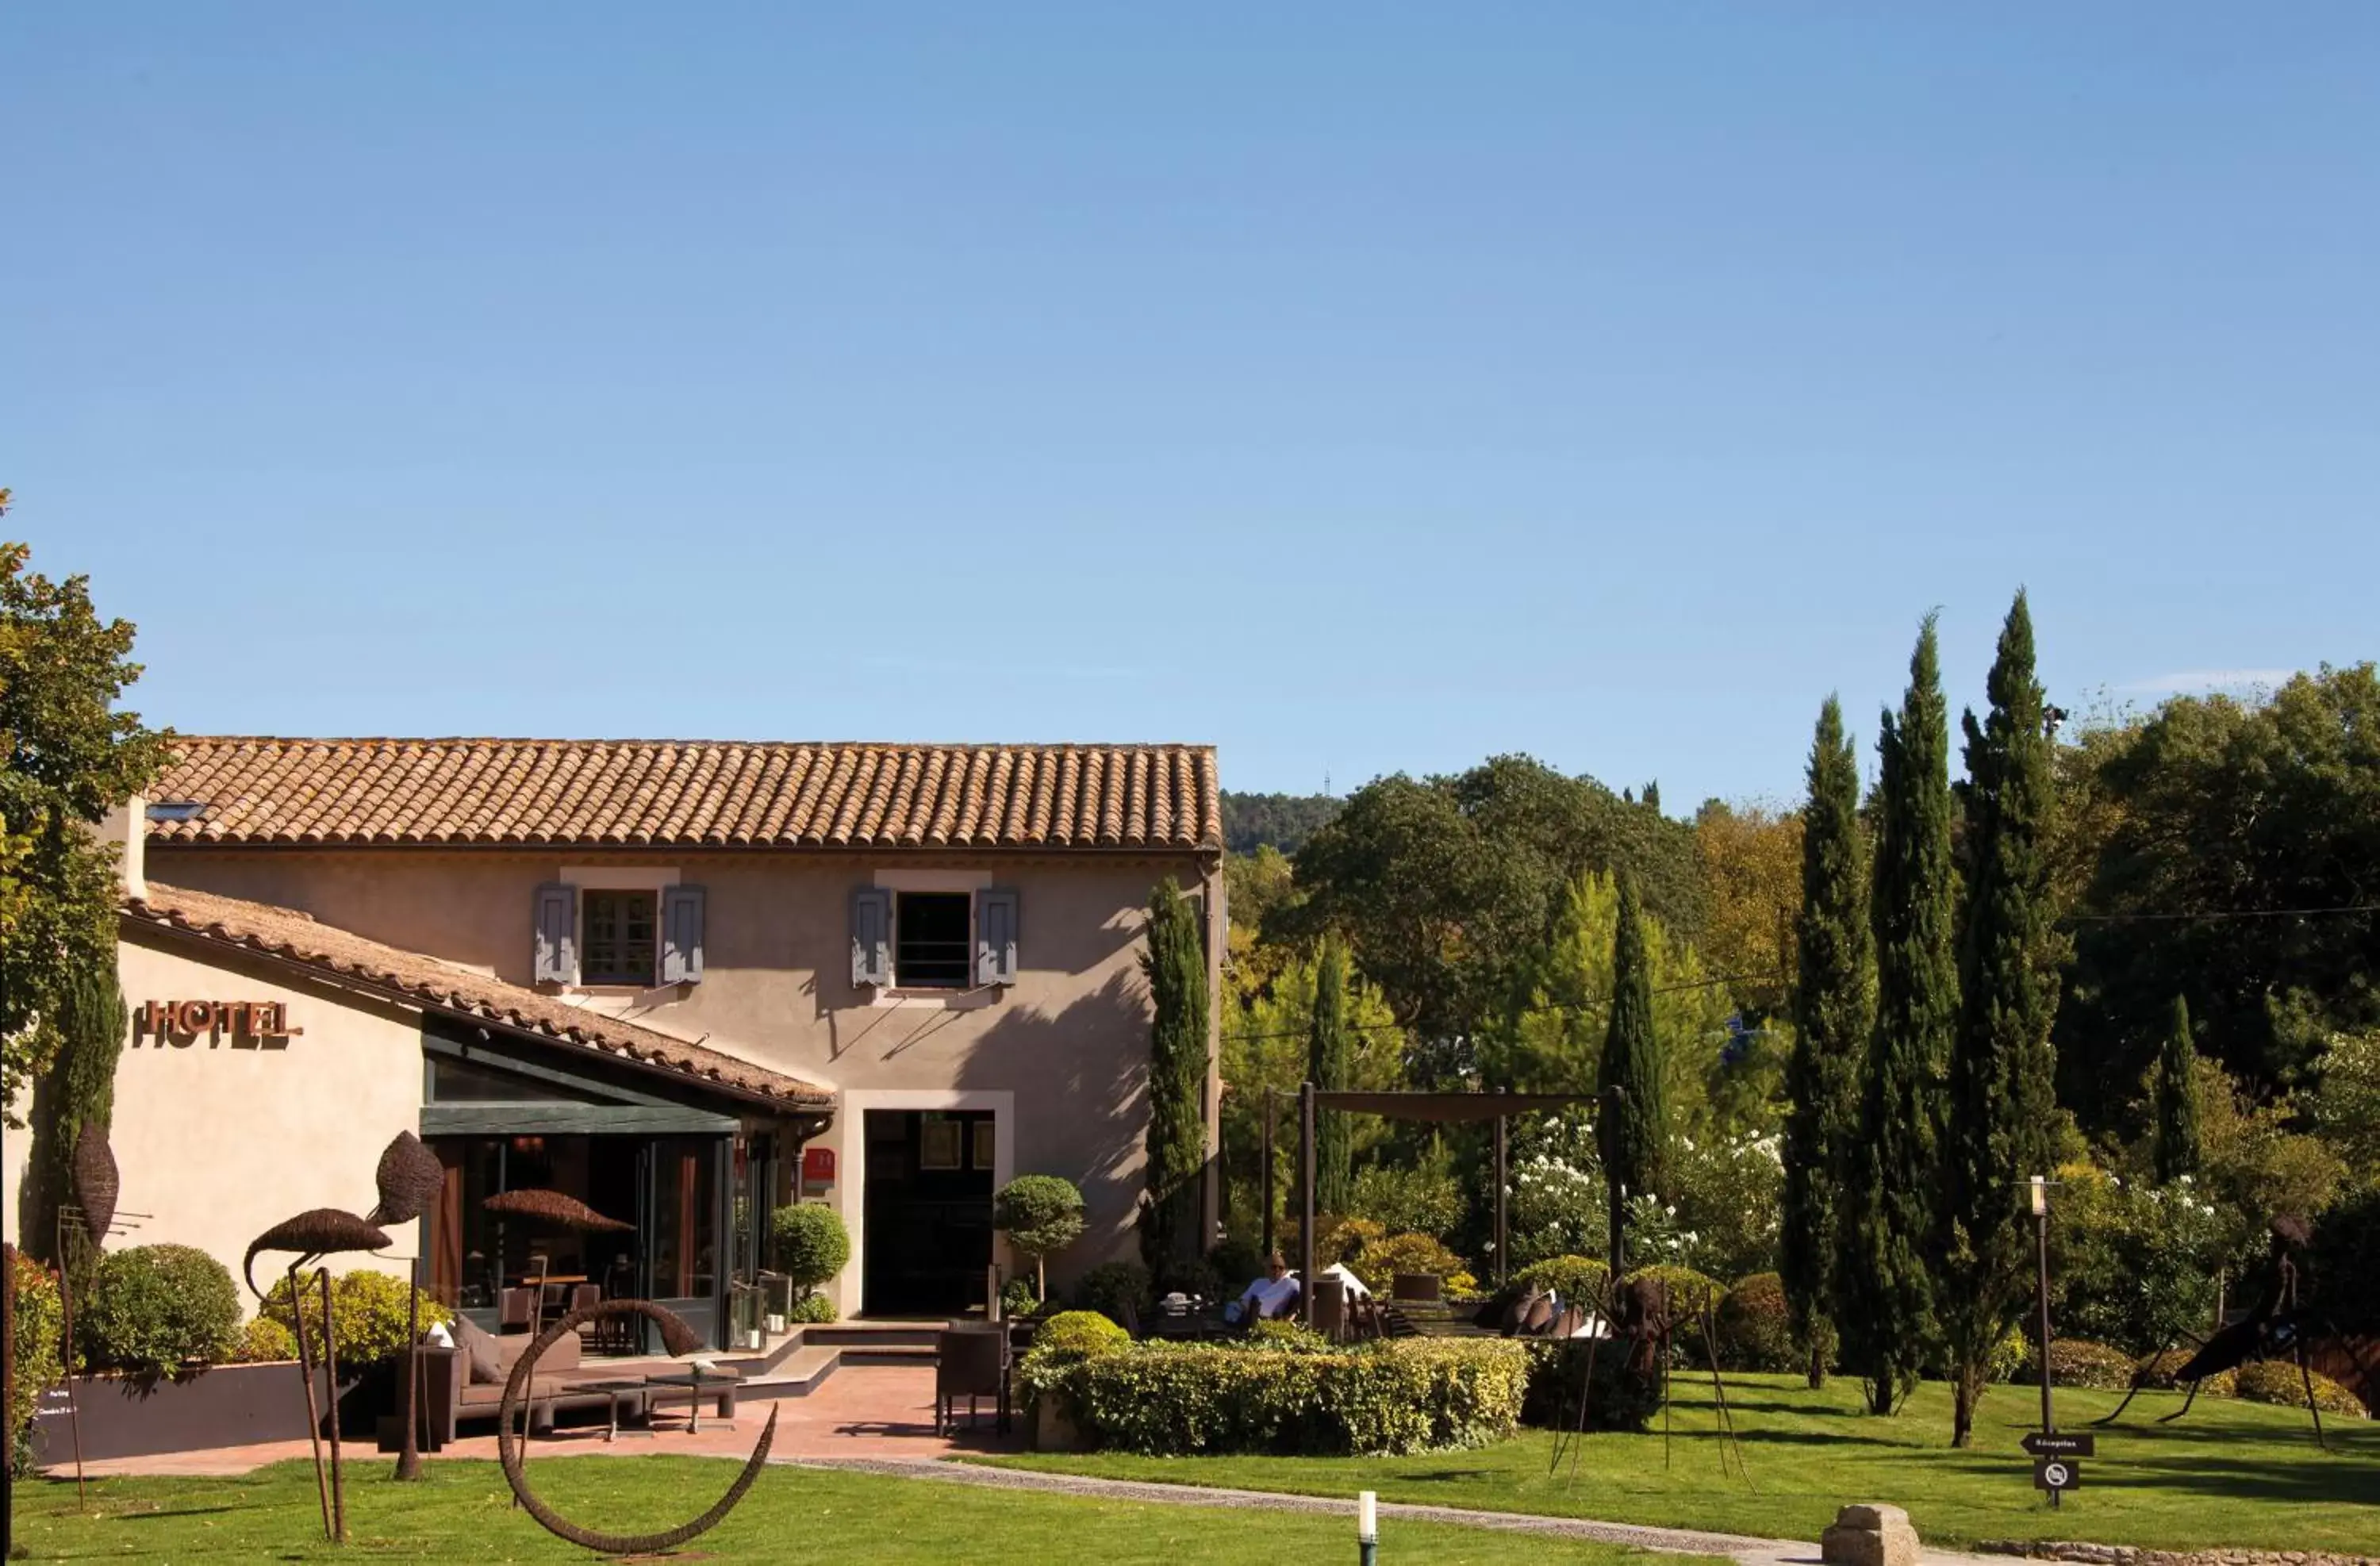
1272	1295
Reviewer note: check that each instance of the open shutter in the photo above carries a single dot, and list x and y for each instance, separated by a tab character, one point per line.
995	937
871	936
557	934
681	935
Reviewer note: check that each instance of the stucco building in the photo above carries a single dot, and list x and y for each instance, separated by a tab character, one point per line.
685	981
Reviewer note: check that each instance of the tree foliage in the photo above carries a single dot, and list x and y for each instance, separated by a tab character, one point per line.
1752	871
1175	966
1445	886
2174	1150
1041	1215
1280	821
1632	1113
2002	1099
72	757
77	1090
1833	1003
1884	1297
2215	807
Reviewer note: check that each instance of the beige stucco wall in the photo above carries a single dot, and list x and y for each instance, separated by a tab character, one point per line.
1062	1054
216	1144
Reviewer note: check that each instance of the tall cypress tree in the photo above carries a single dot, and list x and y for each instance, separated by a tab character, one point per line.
78	1090
1328	1065
2174	1151
2002	1094
1884	1297
1832	1002
1175	965
1632	1118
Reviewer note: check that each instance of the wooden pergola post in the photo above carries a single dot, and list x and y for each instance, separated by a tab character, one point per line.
1502	1125
1270	1098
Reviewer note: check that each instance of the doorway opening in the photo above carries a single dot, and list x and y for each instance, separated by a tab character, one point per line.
927	1212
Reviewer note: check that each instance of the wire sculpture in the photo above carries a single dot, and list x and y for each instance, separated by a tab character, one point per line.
315	1234
95	1181
410	1178
679	1337
2275	1325
1638	1318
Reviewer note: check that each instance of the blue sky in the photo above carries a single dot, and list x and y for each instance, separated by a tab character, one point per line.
1358	388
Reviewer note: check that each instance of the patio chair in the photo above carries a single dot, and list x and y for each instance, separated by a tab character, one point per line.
970	1363
1330	1307
513	1307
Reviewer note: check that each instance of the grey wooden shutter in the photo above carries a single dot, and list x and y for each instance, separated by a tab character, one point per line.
871	936
557	934
681	935
995	937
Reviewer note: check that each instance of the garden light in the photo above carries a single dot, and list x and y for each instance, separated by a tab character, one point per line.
1367	1526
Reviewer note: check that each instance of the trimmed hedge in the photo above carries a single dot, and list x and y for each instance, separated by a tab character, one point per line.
2277	1381
1403	1395
1625	1398
1079	1332
2077	1362
265	1341
1755	1332
813	1244
1690	1292
156	1309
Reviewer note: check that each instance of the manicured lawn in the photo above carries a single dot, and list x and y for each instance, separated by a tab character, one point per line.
2232	1474
463	1512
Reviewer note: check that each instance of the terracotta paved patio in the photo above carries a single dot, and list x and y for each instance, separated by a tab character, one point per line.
861	1412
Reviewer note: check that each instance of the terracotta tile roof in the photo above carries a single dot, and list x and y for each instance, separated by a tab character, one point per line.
342	954
704	793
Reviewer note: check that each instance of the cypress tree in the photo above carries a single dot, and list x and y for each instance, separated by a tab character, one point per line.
1832	1018
1632	1109
78	1090
2001	1093
1175	965
2174	1152
1328	1067
1885	1297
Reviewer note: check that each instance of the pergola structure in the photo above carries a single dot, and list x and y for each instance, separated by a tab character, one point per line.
1445	1109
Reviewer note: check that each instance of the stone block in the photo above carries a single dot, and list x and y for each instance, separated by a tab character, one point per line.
1870	1536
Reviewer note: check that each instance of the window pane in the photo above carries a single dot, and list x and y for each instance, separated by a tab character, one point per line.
620	945
939	1143
933	940
981	1153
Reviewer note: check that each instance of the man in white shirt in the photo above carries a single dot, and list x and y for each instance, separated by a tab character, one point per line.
1272	1295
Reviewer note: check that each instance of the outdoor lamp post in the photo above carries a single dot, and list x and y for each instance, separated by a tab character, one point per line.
2038	1189
1368	1527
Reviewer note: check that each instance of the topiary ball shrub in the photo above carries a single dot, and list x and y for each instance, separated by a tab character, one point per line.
1041	1214
1117	1290
1080	1331
2156	1372
368	1315
2278	1381
1690	1292
813	1244
36	1328
158	1310
811	1310
1578	1280
265	1341
1755	1332
2077	1362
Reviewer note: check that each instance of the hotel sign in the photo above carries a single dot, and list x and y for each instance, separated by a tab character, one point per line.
242	1025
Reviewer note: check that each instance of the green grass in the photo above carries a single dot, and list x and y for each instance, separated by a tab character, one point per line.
462	1513
2236	1473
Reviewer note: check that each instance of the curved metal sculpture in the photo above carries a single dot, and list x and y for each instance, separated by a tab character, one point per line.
314	1233
679	1339
409	1178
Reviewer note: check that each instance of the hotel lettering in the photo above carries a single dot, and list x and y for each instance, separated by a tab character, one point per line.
237	1024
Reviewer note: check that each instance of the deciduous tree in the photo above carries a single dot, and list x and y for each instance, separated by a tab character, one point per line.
72	756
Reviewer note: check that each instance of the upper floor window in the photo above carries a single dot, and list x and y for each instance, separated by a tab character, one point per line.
621	944
933	940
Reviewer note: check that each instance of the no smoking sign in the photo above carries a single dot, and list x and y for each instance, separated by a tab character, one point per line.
2057	1473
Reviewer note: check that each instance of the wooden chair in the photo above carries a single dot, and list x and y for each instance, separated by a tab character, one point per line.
513	1308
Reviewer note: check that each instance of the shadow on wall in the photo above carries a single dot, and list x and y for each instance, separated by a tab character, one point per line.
1081	1079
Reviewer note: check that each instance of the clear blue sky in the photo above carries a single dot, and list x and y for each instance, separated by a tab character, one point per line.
1356	387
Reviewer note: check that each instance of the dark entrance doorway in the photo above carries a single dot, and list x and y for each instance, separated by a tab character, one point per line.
927	1212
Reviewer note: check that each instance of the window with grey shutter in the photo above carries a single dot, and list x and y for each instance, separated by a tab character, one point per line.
556	960
871	936
681	935
995	937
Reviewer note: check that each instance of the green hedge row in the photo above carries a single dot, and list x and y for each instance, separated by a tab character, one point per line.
1396	1396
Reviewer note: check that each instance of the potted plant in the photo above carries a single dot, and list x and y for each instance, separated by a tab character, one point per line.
812	1246
1041	1215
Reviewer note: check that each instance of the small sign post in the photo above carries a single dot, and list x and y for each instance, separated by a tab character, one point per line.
2055	1474
2045	1443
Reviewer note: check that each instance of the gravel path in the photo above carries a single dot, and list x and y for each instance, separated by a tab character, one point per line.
1750	1551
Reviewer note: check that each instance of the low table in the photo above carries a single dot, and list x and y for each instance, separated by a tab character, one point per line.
614	1394
694	1386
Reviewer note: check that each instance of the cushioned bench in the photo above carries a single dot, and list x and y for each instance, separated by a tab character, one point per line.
452	1396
